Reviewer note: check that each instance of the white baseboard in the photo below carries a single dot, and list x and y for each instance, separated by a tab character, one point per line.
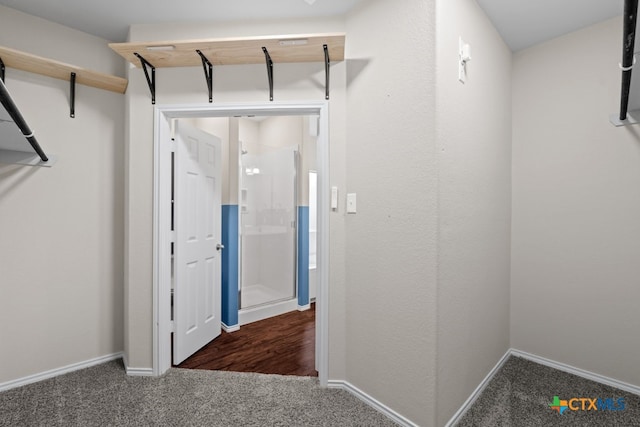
136	372
471	399
577	371
304	307
139	372
373	403
229	329
58	371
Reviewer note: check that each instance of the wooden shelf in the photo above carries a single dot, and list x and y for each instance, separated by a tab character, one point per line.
59	70
289	48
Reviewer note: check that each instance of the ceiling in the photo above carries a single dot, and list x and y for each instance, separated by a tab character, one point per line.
522	23
111	19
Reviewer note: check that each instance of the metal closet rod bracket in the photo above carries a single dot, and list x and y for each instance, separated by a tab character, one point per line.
267	58
151	81
208	73
16	116
327	63
628	41
72	95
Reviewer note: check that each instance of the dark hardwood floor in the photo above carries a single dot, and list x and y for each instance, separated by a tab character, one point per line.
282	345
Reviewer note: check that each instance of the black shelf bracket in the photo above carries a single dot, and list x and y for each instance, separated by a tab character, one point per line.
72	95
628	59
2	70
151	81
10	106
327	63
267	58
208	73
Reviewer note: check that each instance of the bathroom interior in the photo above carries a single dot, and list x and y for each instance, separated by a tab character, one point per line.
269	173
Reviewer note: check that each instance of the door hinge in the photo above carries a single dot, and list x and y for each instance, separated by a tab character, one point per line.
172	326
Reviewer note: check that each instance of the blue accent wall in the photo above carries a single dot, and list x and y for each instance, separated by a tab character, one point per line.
303	255
230	265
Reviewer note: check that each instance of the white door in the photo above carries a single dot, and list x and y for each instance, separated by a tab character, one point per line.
197	248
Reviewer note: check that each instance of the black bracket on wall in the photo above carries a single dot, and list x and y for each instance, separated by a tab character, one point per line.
72	95
14	113
208	73
151	81
1	70
327	63
267	58
628	59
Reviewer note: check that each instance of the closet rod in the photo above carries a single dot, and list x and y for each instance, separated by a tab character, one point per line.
628	59
13	111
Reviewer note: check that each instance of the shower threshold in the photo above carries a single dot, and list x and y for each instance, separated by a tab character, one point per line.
265	311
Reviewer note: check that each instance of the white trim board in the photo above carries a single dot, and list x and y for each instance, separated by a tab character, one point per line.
304	307
542	361
476	393
58	371
630	388
372	402
139	372
229	329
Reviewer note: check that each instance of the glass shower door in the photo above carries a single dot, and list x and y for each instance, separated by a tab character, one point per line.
268	227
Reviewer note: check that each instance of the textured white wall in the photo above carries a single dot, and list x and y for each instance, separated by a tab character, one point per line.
50	40
474	141
232	84
61	227
429	246
391	241
576	204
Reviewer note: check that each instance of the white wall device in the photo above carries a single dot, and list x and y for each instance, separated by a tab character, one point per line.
351	203
334	198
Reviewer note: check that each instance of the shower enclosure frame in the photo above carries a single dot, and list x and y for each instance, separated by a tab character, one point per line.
162	235
241	260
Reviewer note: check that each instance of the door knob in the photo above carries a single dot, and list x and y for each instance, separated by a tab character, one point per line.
219	246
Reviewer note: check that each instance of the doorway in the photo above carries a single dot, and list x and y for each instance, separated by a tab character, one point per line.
162	202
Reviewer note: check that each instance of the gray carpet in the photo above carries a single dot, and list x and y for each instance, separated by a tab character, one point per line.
105	396
520	394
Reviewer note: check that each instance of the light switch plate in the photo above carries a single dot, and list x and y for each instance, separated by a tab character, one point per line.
351	203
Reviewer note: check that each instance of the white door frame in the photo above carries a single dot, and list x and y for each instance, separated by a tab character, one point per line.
162	216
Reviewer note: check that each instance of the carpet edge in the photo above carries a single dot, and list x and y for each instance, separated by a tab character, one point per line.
476	393
602	379
371	402
34	378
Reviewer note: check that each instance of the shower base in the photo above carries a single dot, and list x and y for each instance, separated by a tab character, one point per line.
263	303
